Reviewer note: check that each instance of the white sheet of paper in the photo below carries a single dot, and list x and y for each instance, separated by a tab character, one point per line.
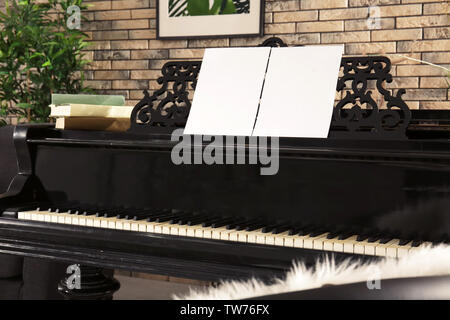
228	90
299	91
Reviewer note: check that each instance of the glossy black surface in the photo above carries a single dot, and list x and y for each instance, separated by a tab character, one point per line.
395	186
379	189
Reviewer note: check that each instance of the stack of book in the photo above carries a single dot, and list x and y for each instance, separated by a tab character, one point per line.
90	112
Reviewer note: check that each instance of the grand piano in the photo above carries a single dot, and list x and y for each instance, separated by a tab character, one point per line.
379	185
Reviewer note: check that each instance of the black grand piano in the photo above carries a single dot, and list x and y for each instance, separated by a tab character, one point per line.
378	186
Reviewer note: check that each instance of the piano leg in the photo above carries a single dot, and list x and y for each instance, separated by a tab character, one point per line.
87	283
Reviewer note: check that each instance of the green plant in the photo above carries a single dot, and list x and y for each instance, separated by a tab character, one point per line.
204	7
39	55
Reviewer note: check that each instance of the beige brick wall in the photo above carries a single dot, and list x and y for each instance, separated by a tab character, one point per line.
127	57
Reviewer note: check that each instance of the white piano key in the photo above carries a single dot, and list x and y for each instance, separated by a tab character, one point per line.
381	249
393	250
252	235
319	242
89	221
349	244
175	230
241	236
206	233
420	247
182	231
270	239
279	238
225	234
166	228
298	242
328	244
403	250
308	241
369	247
96	222
158	227
191	230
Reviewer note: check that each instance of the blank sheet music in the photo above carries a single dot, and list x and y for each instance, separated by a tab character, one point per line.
299	91
228	91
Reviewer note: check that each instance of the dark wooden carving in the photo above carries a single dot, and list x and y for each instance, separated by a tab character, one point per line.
168	106
358	113
273	42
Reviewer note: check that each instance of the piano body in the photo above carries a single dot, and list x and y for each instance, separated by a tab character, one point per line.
378	186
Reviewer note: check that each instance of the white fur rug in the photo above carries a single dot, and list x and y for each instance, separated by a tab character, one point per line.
425	262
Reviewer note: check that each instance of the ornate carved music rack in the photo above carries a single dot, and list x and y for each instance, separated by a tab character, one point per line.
359	114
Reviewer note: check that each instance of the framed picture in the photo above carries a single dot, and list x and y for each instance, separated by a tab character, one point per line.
195	19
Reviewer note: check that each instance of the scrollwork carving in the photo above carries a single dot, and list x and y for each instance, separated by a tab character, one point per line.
375	120
168	106
273	42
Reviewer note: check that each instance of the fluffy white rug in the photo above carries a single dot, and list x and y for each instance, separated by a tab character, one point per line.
425	262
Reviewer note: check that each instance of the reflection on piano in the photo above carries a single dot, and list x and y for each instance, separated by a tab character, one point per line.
378	186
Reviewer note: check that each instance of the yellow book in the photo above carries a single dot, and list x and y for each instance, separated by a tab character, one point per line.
89	110
97	124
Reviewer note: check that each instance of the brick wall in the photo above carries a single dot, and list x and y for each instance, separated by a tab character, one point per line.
127	57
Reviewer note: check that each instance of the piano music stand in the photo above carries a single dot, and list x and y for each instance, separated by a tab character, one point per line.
168	107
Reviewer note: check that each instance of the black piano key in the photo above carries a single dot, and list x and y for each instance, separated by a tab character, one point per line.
255	226
318	232
177	216
62	208
223	222
108	213
209	222
273	227
153	215
295	230
194	220
385	240
238	224
165	218
306	230
243	225
97	212
86	210
205	222
268	228
403	242
346	235
281	229
174	217
374	238
182	219
362	237
333	234
130	213
416	243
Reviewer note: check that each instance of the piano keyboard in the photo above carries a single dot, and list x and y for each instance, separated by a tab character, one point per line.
198	225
